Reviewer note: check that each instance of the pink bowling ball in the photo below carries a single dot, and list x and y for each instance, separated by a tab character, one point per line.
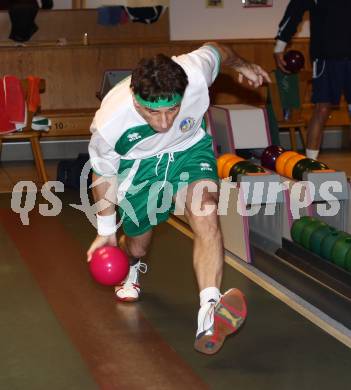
109	265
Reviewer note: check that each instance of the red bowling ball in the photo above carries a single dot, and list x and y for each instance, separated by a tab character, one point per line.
270	155
295	61
109	265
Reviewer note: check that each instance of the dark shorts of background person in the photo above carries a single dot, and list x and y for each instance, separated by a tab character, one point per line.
159	179
331	80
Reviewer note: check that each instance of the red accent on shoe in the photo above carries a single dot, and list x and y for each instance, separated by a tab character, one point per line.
239	313
218	318
127	299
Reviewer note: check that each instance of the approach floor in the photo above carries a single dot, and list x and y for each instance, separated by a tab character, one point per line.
60	330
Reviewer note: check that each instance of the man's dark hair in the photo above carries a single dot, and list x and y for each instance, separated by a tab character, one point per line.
158	77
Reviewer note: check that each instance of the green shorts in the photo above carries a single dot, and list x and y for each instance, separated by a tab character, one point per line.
149	199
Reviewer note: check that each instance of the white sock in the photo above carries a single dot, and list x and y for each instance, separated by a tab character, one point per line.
311	153
209	293
205	318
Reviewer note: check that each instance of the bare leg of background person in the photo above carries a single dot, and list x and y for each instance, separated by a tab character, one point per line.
315	129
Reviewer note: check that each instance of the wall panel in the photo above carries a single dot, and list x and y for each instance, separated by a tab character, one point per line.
72	24
74	72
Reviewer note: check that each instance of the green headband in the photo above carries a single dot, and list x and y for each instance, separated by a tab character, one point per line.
159	103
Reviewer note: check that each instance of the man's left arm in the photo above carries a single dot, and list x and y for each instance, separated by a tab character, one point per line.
253	73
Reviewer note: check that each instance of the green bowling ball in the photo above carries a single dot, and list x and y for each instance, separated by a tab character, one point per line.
242	168
298	226
340	249
318	236
348	261
307	165
328	243
238	167
308	231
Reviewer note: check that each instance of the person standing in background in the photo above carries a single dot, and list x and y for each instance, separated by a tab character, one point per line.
330	50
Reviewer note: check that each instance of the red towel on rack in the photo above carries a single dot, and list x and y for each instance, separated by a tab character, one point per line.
12	105
5	125
33	97
14	99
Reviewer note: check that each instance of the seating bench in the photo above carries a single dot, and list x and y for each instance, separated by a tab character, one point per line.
69	122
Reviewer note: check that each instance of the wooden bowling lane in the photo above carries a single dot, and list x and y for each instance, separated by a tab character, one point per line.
117	343
149	344
276	349
35	352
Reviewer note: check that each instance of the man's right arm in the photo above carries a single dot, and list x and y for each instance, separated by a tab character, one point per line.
288	27
253	73
104	197
104	161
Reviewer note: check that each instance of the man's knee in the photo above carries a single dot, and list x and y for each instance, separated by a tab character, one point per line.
203	206
137	251
202	198
323	109
136	247
204	219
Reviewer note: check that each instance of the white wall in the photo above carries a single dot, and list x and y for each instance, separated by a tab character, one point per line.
191	20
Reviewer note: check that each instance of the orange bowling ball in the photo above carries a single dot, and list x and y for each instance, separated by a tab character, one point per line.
281	161
221	160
